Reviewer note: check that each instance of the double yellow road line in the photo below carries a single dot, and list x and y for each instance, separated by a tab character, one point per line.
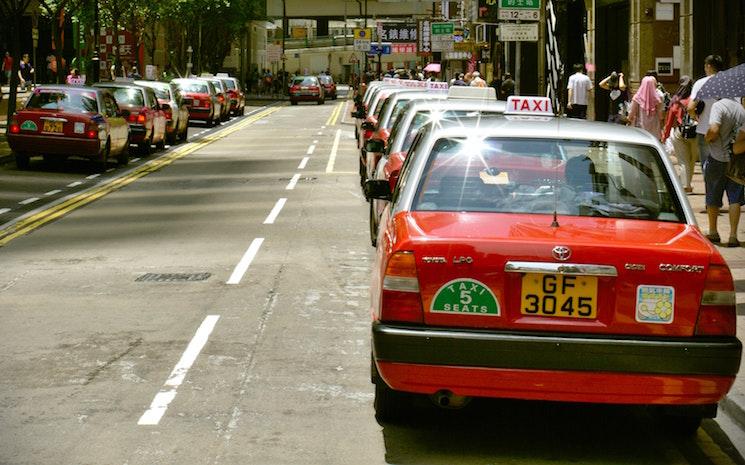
335	114
54	212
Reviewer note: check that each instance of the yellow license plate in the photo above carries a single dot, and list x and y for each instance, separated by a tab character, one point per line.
52	126
559	295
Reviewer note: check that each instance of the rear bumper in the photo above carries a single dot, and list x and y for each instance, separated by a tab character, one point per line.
555	366
137	133
305	98
54	145
200	114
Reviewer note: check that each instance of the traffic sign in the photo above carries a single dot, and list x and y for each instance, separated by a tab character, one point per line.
531	4
509	32
516	14
362	45
363	33
382	49
442	29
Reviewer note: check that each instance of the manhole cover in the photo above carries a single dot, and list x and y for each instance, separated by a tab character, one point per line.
173	277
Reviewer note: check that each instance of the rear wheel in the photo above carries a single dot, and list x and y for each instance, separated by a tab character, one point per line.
293	102
183	134
22	160
172	138
123	157
321	101
145	147
161	144
390	406
103	159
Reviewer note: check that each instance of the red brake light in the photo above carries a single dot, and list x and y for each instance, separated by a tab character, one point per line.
168	113
401	300
14	127
141	118
91	131
221	98
718	313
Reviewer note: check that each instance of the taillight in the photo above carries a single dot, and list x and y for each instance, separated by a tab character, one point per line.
401	300
132	118
206	104
91	131
141	118
717	314
168	113
295	88
14	127
221	98
368	134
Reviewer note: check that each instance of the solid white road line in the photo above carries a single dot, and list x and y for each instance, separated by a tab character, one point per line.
311	149
56	191
242	266
4	210
74	184
293	181
28	201
93	176
303	162
334	148
167	393
275	211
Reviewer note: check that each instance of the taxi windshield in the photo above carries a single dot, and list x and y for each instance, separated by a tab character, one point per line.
580	178
128	96
194	87
63	101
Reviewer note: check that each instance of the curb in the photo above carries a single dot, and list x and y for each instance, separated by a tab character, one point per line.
734	406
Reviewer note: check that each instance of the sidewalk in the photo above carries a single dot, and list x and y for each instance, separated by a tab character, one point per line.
734	403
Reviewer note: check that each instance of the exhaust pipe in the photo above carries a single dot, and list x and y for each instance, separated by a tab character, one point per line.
446	399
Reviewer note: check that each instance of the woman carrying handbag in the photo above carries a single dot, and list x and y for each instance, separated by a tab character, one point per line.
681	129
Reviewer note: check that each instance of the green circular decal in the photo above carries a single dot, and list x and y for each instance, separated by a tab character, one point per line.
465	296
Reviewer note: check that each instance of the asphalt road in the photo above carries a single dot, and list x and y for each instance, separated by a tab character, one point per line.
180	311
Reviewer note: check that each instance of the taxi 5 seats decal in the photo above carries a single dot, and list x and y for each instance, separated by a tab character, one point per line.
465	296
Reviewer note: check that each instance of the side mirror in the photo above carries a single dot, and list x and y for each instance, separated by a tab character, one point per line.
124	113
378	189
368	126
375	146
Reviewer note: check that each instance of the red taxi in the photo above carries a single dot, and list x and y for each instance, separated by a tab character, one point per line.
548	259
329	86
174	109
201	99
147	121
306	89
235	94
61	121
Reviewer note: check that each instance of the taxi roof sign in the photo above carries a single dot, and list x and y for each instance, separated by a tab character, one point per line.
529	106
478	93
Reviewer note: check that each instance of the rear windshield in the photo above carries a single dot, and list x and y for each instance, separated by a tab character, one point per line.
581	178
63	100
325	79
228	83
161	92
194	87
128	96
304	81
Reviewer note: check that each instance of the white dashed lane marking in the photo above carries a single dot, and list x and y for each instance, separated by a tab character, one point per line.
28	201
74	184
242	266
4	210
167	393
293	182
275	211
93	176
56	191
303	162
311	149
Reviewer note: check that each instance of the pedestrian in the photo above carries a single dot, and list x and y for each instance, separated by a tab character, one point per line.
459	80
134	73
467	78
679	127
477	81
25	72
579	87
726	116
616	87
646	107
7	67
73	78
508	86
701	109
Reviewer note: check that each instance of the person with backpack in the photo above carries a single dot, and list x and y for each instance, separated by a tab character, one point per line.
681	129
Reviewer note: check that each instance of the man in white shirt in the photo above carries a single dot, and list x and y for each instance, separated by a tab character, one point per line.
712	65
579	87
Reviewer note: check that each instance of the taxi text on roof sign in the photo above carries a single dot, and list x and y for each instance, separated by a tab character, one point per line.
530	106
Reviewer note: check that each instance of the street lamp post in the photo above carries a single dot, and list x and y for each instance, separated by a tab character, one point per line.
189	64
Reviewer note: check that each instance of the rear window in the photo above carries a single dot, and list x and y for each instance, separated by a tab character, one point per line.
228	83
304	81
161	92
325	79
63	100
581	178
128	96
194	87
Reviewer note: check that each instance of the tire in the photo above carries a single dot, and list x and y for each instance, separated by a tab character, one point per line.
123	157
373	225
22	160
103	160
161	145
390	406
145	148
321	102
293	102
363	174
172	138
184	134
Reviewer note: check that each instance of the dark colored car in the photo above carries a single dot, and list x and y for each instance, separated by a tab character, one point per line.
306	89
329	86
61	121
174	108
147	121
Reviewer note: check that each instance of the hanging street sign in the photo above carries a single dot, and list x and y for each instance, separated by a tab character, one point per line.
533	4
442	37
521	14
509	32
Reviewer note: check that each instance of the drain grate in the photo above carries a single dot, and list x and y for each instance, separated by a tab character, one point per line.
173	277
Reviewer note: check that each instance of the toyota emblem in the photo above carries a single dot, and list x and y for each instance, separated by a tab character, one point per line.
561	252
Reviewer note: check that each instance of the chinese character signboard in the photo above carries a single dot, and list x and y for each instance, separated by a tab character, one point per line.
398	33
442	37
123	41
403	48
509	32
424	37
362	39
534	4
